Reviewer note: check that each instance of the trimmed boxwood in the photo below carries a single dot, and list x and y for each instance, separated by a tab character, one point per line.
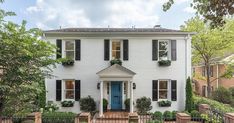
87	104
58	117
157	115
143	105
167	116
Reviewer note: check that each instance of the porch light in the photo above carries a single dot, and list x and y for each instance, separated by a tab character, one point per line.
134	85
98	86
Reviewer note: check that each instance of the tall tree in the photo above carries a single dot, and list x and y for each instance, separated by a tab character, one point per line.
212	10
25	60
209	43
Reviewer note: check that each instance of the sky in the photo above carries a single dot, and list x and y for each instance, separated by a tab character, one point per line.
53	14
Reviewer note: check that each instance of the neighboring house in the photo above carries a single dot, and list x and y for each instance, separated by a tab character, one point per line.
217	68
139	49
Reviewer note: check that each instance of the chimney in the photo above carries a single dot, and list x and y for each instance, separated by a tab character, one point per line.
157	26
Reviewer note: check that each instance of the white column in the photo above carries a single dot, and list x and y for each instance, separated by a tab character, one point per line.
131	97
101	99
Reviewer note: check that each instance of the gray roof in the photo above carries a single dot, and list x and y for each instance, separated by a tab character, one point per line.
159	29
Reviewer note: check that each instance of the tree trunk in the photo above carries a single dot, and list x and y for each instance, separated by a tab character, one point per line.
208	79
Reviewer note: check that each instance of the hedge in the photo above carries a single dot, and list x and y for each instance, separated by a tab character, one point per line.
214	104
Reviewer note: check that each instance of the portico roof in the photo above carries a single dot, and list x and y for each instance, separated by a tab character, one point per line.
116	71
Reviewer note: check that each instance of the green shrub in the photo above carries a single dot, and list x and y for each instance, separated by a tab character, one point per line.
158	115
143	105
105	104
167	115
164	63
155	121
127	104
58	117
214	104
189	105
223	95
87	104
174	115
231	89
195	114
50	107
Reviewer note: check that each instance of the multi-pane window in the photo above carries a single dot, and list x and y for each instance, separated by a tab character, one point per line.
211	71
69	89
116	49
70	49
163	50
203	71
163	89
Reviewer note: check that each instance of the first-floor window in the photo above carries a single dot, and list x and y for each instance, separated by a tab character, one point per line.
69	89
163	89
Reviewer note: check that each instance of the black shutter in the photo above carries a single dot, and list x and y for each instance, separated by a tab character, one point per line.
77	90
125	49
77	42
155	90
155	50
59	48
58	90
106	49
173	50
173	90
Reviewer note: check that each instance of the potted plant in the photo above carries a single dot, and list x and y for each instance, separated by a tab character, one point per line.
164	62
67	103
164	103
105	104
116	61
127	104
68	62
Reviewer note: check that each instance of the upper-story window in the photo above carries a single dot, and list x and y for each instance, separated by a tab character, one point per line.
69	91
163	50
203	71
163	89
211	71
116	49
70	49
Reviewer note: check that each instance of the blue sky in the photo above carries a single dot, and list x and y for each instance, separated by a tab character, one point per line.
51	14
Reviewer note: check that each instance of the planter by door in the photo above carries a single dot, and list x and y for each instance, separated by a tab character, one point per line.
116	95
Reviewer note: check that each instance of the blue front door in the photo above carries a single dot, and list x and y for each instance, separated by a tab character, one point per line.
116	95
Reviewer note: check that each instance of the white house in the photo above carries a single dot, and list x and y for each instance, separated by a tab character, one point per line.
139	49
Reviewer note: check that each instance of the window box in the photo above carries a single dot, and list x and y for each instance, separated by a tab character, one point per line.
115	61
164	63
68	62
164	103
67	103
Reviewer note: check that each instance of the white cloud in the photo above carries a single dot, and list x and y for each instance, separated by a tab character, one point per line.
81	13
189	10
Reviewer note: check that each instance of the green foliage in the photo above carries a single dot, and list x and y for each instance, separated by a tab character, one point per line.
214	104
116	61
164	63
231	89
41	98
189	96
195	114
58	117
174	114
167	115
68	62
127	104
105	103
213	12
50	107
158	115
223	95
67	103
143	105
164	103
87	104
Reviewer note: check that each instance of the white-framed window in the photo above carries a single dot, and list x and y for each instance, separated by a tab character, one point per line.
69	89
69	49
163	48
116	49
163	92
